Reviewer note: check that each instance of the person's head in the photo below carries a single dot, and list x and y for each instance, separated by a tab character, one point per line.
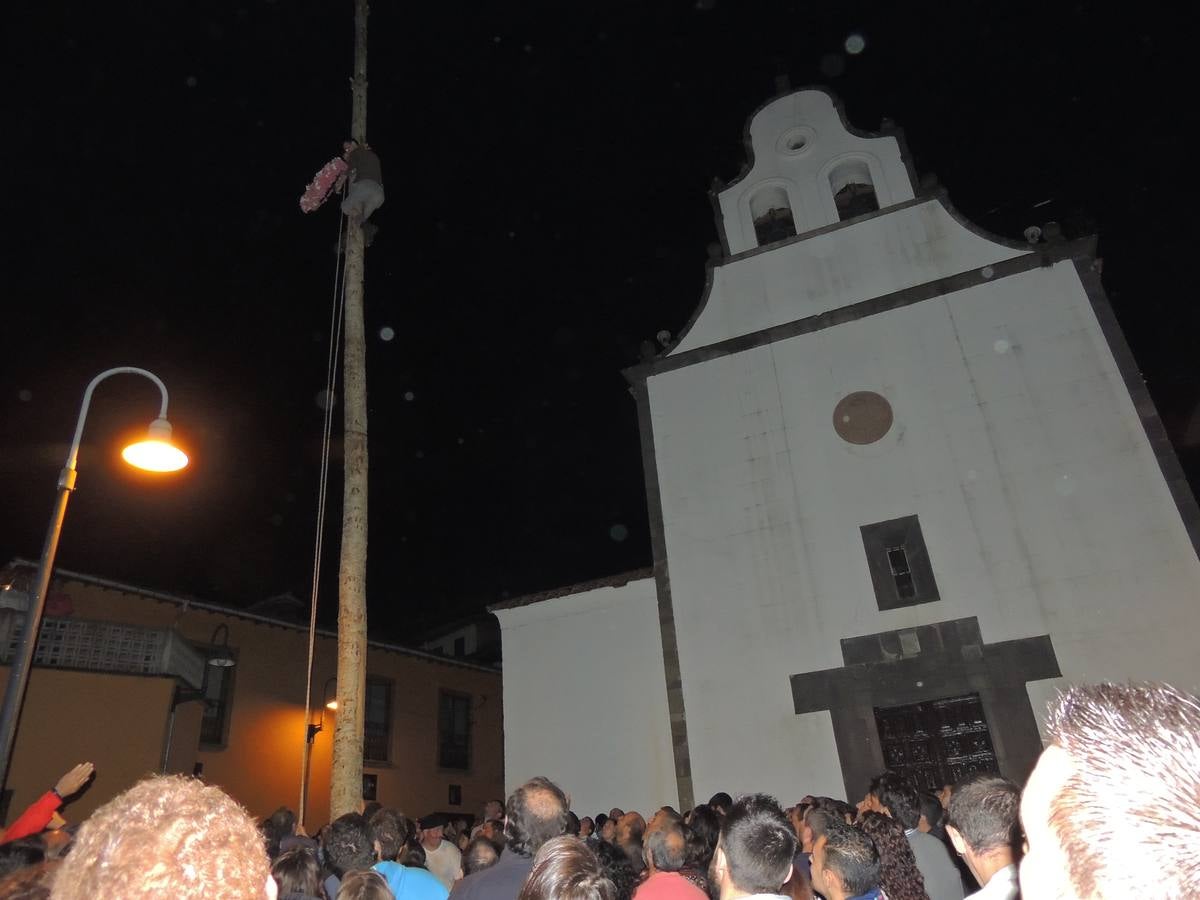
630	828
31	882
617	868
283	820
21	854
664	845
370	807
572	824
348	844
297	872
845	862
493	809
704	828
931	812
388	833
898	873
364	885
493	830
606	828
720	802
433	830
754	853
586	826
616	812
566	869
537	812
1111	807
480	854
816	821
167	836
985	821
895	796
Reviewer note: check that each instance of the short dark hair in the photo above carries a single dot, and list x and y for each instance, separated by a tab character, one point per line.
297	872
898	796
930	807
389	830
818	818
720	801
536	812
759	844
480	854
985	810
572	823
348	844
565	869
369	809
283	820
666	846
1131	747
853	856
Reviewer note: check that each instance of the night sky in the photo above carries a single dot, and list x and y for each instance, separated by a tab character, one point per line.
547	168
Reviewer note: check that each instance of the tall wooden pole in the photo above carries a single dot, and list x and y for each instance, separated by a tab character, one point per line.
346	775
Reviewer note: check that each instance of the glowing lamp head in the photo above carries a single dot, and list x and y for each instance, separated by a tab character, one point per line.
156	453
332	704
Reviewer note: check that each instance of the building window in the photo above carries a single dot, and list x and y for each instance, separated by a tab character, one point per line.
370	789
460	646
899	563
853	190
454	730
901	573
377	721
218	698
772	214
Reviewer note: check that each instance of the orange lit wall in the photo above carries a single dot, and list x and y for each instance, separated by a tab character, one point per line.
117	722
261	761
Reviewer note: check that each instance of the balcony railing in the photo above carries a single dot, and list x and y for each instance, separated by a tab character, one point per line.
93	646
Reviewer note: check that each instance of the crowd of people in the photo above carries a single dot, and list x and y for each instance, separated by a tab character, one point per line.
1111	809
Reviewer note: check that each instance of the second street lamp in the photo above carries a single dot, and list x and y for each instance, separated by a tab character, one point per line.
155	454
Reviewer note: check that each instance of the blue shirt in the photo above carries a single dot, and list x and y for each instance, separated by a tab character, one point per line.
410	883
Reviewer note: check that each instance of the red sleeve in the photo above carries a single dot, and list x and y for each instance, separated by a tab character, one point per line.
35	818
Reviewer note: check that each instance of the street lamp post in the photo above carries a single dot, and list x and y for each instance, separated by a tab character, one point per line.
156	454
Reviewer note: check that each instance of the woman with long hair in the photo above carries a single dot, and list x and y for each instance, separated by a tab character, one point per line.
898	873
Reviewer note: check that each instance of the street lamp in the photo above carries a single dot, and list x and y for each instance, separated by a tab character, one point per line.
155	454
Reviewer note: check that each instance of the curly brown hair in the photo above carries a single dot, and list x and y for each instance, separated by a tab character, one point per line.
166	836
898	873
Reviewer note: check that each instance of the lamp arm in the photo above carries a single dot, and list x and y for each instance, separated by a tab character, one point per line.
73	455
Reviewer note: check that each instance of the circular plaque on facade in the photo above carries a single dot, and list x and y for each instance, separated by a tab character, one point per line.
862	417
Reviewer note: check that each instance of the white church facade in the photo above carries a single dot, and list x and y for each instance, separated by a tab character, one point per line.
904	481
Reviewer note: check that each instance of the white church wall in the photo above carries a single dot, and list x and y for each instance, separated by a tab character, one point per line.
1015	442
585	699
906	247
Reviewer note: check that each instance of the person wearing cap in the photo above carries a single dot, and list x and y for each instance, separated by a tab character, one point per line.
442	858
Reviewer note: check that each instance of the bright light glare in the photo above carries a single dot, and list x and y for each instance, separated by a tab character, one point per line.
155	456
332	704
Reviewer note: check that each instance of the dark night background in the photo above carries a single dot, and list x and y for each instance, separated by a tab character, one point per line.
546	167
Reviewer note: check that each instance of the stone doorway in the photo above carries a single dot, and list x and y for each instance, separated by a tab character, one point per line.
938	742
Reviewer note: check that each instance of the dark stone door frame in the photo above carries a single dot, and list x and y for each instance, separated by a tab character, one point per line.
929	662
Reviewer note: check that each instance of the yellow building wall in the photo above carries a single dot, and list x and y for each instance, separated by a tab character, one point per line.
261	762
118	722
